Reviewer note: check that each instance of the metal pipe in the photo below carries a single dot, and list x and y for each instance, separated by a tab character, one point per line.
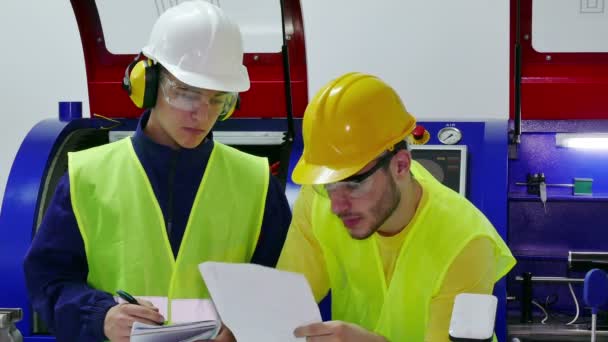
585	261
553	185
526	298
552	279
290	134
516	134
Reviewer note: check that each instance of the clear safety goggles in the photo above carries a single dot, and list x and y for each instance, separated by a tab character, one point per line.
186	98
355	186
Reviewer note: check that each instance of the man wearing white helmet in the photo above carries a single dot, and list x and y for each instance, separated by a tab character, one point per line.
140	214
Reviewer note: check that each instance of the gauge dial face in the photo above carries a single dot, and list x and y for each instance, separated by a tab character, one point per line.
449	135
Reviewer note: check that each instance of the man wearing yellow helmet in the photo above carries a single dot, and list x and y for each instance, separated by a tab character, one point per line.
392	244
141	213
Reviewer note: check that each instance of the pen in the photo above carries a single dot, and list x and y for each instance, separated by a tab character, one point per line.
131	300
124	295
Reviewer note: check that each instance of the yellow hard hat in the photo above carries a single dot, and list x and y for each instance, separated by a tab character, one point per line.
348	123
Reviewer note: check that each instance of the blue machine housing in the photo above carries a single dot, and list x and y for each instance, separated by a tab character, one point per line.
26	188
541	240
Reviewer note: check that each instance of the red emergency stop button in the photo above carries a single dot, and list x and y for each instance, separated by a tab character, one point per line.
418	132
420	135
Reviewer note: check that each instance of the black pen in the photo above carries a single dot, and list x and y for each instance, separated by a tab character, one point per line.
131	300
124	295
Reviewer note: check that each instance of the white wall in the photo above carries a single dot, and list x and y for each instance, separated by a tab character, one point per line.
259	21
449	60
42	63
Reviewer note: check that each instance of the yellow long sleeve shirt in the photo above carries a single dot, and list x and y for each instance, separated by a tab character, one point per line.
472	271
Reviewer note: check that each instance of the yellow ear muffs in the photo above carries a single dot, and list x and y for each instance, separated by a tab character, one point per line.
141	82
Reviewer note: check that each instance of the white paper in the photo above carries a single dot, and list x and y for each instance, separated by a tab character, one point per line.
191	310
259	303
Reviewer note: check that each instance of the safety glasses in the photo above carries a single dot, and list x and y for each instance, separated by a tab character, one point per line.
186	98
358	185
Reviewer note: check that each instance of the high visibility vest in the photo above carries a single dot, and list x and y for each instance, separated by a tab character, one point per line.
123	228
443	225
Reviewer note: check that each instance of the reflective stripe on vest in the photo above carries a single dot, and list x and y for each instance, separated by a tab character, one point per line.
443	225
124	231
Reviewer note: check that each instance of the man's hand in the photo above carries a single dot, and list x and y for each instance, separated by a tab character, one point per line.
120	318
336	331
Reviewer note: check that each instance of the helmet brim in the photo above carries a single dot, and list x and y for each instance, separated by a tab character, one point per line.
238	82
306	174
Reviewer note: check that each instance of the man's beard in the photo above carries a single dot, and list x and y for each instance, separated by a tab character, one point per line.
384	208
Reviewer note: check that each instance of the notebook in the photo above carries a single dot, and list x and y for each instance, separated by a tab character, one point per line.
180	332
192	320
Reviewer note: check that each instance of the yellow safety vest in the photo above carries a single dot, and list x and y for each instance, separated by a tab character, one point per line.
124	232
442	227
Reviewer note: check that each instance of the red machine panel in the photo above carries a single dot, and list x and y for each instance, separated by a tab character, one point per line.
558	86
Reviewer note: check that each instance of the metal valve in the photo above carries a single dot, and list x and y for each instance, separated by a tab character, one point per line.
8	331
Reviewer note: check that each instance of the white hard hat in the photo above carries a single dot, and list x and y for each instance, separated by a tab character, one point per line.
199	45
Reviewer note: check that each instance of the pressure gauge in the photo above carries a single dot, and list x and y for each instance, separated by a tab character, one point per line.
449	135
